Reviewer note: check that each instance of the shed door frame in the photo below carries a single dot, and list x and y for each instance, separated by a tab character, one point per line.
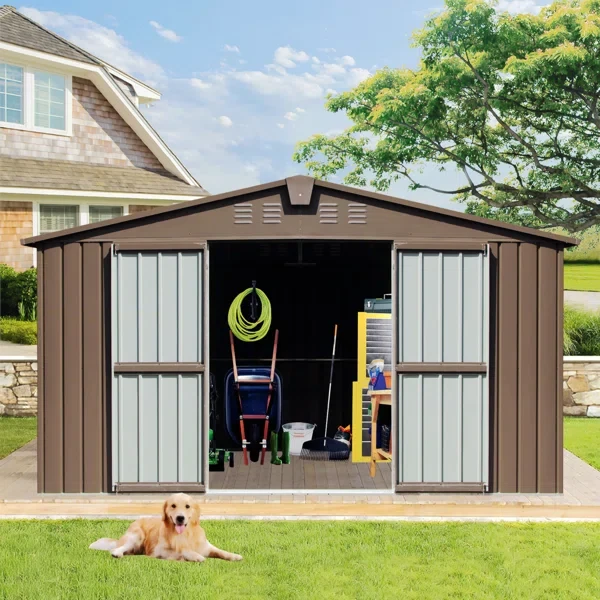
439	368
180	368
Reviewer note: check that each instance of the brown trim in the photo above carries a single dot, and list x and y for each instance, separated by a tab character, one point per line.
441	367
106	367
440	246
92	397
546	374
493	366
158	246
439	487
53	372
527	369
41	372
560	274
160	487
159	368
530	234
72	365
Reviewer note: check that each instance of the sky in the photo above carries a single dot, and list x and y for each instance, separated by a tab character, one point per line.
242	82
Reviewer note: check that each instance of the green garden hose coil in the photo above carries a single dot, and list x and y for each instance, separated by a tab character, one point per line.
242	328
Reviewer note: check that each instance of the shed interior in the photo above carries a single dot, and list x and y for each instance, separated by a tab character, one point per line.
311	287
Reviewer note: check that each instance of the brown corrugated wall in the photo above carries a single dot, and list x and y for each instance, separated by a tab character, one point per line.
72	346
525	360
526	387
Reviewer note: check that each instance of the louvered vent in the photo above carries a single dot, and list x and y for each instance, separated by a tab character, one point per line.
328	213
242	214
357	214
271	213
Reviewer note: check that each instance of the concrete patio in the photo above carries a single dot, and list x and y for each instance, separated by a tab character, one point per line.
581	500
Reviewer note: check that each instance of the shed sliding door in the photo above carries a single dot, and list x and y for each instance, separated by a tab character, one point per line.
441	372
158	370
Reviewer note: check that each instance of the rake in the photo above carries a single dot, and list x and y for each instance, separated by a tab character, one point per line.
326	448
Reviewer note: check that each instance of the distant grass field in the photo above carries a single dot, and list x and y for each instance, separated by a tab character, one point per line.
582	277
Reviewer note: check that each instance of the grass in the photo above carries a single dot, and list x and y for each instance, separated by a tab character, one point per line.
581	332
582	438
340	560
18	332
582	276
15	432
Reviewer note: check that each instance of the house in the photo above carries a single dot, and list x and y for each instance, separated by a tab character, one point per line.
74	147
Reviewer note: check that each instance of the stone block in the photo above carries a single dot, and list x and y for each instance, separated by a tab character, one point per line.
594	381
575	411
22	367
2	409
7	368
593	411
34	366
7	380
567	374
579	383
28	373
7	396
587	398
24	391
567	395
27	380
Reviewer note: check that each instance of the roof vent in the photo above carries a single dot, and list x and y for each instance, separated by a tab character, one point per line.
242	214
300	189
357	214
328	213
271	213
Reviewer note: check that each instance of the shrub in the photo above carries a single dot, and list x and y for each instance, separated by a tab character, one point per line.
18	293
581	332
18	332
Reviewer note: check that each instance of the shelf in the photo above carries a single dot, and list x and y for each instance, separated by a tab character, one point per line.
383	453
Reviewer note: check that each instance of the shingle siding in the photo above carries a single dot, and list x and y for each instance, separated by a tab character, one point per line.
16	223
100	136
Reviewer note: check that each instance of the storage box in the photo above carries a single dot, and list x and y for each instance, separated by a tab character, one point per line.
379	305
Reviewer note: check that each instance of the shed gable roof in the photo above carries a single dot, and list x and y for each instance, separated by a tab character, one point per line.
321	212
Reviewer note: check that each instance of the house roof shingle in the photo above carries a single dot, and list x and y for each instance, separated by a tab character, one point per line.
19	30
84	177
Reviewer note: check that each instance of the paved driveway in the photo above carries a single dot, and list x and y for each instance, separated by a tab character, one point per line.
589	300
10	349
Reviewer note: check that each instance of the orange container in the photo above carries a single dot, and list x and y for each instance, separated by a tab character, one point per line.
388	379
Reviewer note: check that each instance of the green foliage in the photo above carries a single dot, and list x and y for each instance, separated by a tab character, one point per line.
18	332
510	101
581	332
18	293
514	214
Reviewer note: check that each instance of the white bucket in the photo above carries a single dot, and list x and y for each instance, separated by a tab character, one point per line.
299	433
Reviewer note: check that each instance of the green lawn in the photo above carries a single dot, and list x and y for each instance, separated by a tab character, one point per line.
287	560
582	277
582	438
16	432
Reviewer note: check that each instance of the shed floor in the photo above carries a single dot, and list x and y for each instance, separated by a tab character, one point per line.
581	499
302	475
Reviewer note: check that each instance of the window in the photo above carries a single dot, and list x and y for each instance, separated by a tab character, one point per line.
101	213
34	99
54	217
11	94
49	96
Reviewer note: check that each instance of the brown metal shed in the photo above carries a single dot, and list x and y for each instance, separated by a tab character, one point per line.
76	283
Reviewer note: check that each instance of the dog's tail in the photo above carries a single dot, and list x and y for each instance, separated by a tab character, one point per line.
104	544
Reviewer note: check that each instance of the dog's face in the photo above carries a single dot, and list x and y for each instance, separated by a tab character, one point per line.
180	511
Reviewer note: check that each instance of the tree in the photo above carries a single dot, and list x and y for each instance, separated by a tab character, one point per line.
511	101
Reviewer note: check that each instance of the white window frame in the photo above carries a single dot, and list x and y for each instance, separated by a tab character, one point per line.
84	212
29	99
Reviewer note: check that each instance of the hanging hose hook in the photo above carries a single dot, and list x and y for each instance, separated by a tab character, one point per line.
253	303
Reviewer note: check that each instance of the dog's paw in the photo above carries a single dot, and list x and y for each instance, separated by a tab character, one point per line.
236	557
117	553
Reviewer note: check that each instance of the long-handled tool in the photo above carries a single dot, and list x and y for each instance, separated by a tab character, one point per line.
326	448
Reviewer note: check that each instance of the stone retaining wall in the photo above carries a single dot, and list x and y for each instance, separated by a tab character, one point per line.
581	386
18	387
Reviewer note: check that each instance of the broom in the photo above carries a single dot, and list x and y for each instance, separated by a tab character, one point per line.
326	448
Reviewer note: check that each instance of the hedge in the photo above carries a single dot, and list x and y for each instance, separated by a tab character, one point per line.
18	332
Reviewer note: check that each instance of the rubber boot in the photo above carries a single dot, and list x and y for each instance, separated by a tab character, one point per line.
285	448
275	460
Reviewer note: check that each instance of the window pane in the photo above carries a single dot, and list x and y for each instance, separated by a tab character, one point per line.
49	101
101	213
57	217
11	93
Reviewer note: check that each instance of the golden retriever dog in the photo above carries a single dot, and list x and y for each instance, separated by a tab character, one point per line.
176	535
